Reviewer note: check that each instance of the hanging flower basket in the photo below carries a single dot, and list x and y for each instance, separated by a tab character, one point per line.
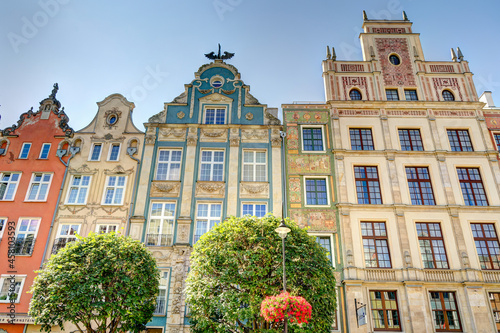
295	308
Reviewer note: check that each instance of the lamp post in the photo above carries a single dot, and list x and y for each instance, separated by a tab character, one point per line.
283	231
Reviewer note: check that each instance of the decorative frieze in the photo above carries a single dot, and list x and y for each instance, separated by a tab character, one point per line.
160	188
315	164
254	135
172	134
315	219
213	134
210	189
359	112
254	190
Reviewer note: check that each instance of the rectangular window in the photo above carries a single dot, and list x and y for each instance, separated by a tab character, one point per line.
208	215
114	152
106	228
11	287
419	183
25	150
161	224
67	233
161	299
312	139
392	94
361	139
445	311
411	95
215	116
316	192
385	312
375	245
44	152
3	225
95	153
25	236
410	139
487	246
431	244
212	165
326	243
496	136
367	185
254	166
8	185
169	164
472	187
460	140
113	192
78	190
258	210
495	306
39	187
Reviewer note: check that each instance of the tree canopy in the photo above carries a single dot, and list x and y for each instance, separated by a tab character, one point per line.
100	283
239	262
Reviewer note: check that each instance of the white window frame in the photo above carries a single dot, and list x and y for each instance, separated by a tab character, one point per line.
3	225
163	289
40	183
66	236
169	164
254	165
215	107
27	232
166	222
9	183
111	150
115	188
107	226
92	151
328	198
322	138
5	277
28	144
253	204
212	164
208	218
332	252
78	188
41	151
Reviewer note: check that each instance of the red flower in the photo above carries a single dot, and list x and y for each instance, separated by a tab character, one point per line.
296	308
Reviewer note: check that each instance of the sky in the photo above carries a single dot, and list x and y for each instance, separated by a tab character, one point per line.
147	50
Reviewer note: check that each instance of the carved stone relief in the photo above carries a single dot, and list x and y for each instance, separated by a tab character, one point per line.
165	188
210	189
254	190
255	135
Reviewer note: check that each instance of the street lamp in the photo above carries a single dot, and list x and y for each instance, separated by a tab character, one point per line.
283	230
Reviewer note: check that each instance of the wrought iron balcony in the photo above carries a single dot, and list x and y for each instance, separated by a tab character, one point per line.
159	240
22	246
160	305
59	243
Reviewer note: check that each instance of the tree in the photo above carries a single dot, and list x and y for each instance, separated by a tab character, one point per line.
239	262
100	283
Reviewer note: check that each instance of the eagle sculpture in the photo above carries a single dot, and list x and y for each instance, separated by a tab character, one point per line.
213	56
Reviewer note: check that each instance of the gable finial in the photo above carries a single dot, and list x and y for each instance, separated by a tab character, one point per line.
405	17
334	55
365	17
213	56
453	55
54	91
460	55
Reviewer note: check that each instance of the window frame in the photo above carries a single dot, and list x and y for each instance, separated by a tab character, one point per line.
115	187
212	163
376	246
165	288
110	152
9	183
332	250
354	91
367	182
166	222
4	222
208	218
496	140
487	246
27	233
92	148
450	97
40	184
411	139
312	127
45	156
327	192
168	164
107	225
471	188
392	93
23	155
254	204
215	108
432	245
358	136
79	188
420	181
384	309
60	241
408	92
254	165
495	307
457	138
6	277
445	311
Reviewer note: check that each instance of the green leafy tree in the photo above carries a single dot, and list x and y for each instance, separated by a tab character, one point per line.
239	262
100	283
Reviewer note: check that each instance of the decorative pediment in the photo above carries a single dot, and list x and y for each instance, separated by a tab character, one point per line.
84	169
216	98
118	170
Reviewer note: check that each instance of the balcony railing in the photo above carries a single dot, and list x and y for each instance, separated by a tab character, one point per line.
159	240
160	305
59	243
22	246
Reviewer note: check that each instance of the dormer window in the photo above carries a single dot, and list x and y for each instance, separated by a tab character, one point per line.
215	116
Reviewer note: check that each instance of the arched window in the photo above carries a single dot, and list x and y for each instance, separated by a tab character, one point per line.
448	95
355	95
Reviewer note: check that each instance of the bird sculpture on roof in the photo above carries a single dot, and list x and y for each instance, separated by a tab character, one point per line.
213	56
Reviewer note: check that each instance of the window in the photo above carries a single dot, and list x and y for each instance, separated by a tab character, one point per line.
355	95
495	306
208	215
316	192
114	152
419	183
78	190
25	150
161	224
410	139
361	139
411	95
496	136
375	245
487	246
3	225
106	228
113	193
394	59
25	236
39	186
44	152
67	233
432	247
367	185
95	154
161	299
8	185
11	287
169	164
215	116
448	96
312	139
385	313
445	311
212	165
254	166
392	94
459	140
472	187
326	243
258	210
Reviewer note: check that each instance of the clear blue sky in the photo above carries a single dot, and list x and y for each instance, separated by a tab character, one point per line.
96	48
